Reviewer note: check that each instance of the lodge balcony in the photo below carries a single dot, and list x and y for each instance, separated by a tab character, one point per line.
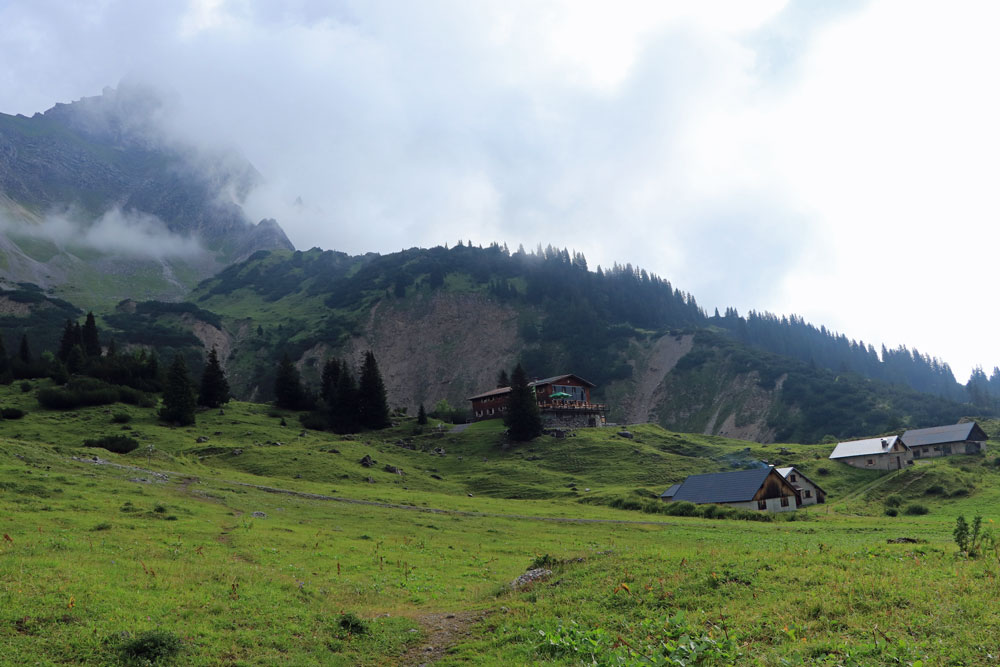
571	406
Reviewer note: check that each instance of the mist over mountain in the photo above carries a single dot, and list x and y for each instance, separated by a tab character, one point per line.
102	184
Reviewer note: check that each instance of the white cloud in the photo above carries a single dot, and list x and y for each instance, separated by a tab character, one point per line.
834	161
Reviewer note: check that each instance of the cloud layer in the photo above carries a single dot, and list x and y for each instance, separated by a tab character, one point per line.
830	161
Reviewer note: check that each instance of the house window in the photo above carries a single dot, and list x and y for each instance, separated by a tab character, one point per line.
784	501
916	453
808	493
762	504
791	478
871	462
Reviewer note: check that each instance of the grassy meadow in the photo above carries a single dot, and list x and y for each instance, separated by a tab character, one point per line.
192	551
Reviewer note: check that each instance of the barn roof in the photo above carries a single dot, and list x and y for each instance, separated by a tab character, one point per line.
669	493
722	487
869	447
784	472
938	434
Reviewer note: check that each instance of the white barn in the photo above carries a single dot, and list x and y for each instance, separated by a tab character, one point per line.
888	453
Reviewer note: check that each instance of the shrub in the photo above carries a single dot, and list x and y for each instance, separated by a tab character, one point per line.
823	471
25	387
934	490
121	418
353	625
682	508
891	511
120	444
916	509
12	413
314	421
893	500
152	646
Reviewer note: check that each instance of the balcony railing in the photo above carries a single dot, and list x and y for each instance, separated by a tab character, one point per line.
572	406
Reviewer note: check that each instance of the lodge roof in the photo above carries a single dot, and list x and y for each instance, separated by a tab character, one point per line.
722	487
556	378
938	434
868	447
535	383
492	392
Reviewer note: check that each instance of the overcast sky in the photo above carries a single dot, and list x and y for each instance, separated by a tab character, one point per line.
835	160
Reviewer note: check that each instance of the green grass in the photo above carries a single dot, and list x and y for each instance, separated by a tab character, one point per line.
99	555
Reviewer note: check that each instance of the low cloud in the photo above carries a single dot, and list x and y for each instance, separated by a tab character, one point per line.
128	234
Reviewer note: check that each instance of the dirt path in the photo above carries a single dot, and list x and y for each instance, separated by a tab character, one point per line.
442	632
666	352
434	510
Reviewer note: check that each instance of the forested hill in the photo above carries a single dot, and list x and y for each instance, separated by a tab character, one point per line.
588	309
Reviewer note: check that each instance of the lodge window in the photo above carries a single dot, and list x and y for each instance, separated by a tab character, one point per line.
791	477
762	504
784	501
808	493
871	462
916	453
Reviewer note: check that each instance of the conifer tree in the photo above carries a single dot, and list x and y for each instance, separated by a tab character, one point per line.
288	390
523	419
91	342
214	387
422	415
178	394
24	353
67	341
343	411
328	383
373	408
5	371
502	379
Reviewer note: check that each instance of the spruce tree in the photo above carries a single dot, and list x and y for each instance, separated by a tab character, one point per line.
373	408
422	415
214	387
523	419
24	353
91	342
288	390
67	341
502	379
178	394
344	409
328	386
5	371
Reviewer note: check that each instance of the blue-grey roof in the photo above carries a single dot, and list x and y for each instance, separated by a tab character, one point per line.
722	487
938	434
669	493
869	447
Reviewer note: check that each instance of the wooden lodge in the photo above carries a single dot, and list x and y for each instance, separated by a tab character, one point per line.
807	491
564	400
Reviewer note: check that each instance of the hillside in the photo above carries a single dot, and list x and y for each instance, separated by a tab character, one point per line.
98	202
264	543
444	322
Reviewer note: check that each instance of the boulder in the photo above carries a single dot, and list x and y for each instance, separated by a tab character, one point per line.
367	461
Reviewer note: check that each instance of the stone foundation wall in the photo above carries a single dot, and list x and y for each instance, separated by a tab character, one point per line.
570	420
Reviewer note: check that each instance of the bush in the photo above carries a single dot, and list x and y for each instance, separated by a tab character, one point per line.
353	625
84	391
120	444
893	500
823	471
11	413
891	511
152	646
314	421
121	418
25	387
935	490
916	509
